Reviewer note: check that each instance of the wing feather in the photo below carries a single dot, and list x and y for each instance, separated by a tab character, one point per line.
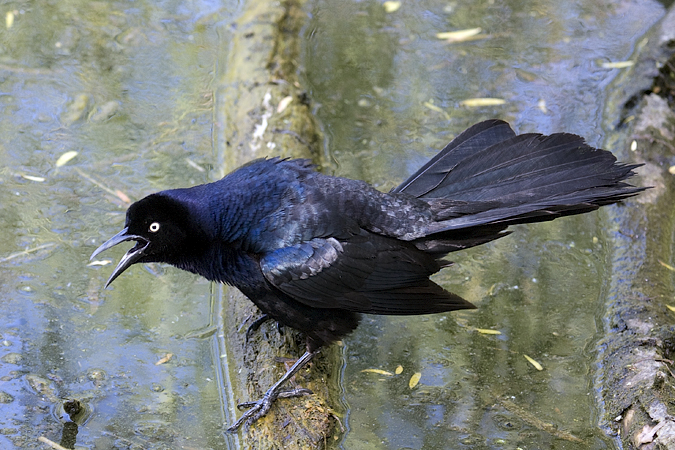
365	273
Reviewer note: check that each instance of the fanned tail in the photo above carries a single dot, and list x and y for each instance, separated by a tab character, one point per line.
488	178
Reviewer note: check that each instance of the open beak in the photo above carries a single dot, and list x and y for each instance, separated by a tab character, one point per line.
129	258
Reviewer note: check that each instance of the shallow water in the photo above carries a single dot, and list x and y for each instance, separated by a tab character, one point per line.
390	93
127	85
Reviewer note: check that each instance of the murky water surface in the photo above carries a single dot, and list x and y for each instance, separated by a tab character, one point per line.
127	85
391	95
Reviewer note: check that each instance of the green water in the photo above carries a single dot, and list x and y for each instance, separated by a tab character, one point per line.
390	93
128	86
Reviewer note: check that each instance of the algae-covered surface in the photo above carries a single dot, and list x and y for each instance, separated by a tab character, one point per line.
105	102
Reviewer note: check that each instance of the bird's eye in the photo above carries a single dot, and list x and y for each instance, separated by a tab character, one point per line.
154	227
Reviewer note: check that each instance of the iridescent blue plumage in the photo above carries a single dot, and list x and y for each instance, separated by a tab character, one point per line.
314	251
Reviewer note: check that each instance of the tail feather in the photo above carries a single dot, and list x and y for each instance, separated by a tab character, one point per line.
489	176
480	136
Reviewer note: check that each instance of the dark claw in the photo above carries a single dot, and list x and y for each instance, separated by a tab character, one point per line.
261	407
256	325
297	392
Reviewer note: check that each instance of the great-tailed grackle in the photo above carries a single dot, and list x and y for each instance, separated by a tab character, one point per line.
314	251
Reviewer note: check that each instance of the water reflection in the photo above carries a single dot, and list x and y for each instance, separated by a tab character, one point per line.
390	94
126	86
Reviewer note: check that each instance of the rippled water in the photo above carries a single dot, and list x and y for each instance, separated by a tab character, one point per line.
128	86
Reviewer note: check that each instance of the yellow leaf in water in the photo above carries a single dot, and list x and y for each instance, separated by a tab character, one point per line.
667	266
491	291
533	362
433	107
617	64
391	6
67	156
166	358
414	379
672	308
475	102
9	19
379	372
283	104
32	178
102	262
122	196
458	36
488	331
398	370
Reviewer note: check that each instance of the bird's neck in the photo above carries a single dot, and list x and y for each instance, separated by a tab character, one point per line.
221	262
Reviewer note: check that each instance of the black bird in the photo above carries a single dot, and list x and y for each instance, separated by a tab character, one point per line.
314	251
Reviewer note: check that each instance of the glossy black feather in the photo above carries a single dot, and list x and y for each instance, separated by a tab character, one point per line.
315	251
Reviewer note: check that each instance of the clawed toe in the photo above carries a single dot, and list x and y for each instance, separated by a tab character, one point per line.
261	407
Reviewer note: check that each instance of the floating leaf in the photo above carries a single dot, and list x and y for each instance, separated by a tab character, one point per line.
32	178
283	104
9	19
486	101
459	36
63	159
488	331
533	362
398	370
194	165
667	266
491	291
414	379
391	6
166	358
672	308
617	64
379	372
122	196
433	107
101	262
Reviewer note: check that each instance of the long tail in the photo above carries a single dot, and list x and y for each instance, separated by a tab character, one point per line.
488	178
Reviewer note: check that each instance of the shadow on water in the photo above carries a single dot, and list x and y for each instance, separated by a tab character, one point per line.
127	85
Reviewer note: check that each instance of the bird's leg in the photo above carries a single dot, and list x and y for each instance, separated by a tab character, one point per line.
261	407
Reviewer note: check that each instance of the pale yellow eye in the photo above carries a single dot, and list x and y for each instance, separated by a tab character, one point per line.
154	227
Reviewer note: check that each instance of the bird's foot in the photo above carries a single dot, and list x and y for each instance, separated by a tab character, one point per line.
260	408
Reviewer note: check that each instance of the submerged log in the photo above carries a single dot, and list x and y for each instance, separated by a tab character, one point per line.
635	376
262	110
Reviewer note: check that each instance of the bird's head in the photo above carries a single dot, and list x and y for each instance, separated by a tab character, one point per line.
160	226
